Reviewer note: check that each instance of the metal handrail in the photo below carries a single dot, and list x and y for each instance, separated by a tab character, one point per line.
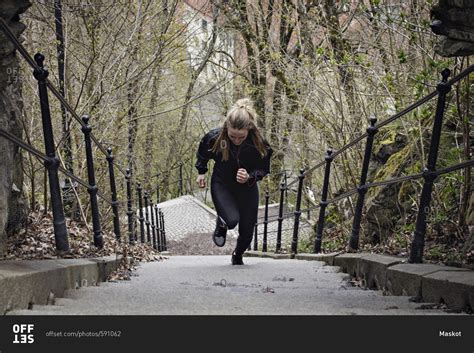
450	169
387	121
44	158
51	87
429	174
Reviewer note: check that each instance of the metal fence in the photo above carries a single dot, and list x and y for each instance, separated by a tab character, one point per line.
429	174
151	218
149	215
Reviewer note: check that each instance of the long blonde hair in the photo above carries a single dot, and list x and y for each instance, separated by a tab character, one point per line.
240	116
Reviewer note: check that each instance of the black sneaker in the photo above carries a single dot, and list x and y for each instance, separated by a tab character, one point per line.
237	259
219	233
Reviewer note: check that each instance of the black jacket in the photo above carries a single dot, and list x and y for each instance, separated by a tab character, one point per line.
244	156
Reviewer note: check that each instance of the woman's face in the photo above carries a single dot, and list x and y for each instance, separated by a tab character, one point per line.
237	136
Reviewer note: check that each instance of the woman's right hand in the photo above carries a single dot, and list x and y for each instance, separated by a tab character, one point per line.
201	180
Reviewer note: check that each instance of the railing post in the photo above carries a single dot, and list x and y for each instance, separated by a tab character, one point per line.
265	223
153	224
59	223
255	237
113	189
86	129
158	220
429	172
164	230
147	218
362	189
180	185
131	237
158	229
294	242
135	217
161	230
140	213
308	203
323	204
191	184
280	217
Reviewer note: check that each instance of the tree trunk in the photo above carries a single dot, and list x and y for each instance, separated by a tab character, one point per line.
179	133
132	92
68	194
340	51
150	138
12	204
466	209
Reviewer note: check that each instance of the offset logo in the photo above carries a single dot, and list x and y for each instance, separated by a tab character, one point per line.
23	333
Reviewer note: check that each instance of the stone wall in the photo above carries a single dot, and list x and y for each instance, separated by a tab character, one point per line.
12	205
453	21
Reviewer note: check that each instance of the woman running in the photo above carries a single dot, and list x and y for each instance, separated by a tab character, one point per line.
242	157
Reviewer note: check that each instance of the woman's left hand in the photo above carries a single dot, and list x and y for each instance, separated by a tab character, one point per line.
242	176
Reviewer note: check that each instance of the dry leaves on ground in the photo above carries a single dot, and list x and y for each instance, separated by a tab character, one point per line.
37	242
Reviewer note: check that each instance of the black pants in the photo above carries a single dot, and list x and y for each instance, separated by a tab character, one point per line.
236	204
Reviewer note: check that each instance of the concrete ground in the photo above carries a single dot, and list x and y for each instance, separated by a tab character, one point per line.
209	285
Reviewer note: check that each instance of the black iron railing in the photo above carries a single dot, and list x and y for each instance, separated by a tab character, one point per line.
153	214
429	174
150	216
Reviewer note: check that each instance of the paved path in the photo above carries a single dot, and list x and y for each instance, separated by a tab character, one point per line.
186	217
203	285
